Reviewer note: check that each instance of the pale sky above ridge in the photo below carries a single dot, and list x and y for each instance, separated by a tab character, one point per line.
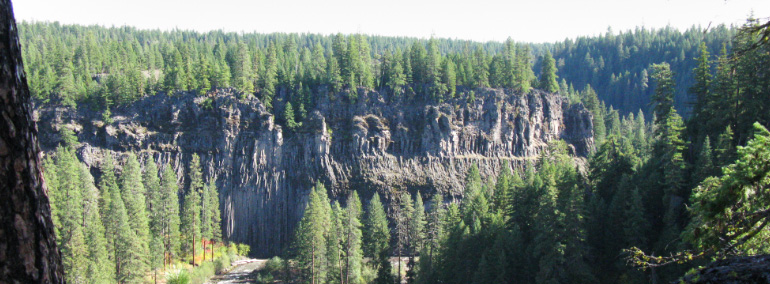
480	20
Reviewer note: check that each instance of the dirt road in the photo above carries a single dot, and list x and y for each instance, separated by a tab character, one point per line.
241	272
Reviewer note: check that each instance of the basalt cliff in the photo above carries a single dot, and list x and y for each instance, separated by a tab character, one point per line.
378	143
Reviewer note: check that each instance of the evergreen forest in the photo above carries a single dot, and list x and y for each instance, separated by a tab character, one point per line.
678	178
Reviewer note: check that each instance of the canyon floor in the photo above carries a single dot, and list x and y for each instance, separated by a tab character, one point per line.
242	272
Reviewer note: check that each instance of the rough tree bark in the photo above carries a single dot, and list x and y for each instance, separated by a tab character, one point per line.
28	252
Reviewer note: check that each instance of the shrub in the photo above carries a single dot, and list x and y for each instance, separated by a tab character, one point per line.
179	276
274	265
232	251
221	264
243	249
202	273
265	278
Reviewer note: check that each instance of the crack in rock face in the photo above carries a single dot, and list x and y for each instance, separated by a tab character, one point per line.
377	144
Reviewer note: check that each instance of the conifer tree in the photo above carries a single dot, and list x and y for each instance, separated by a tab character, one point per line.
449	77
288	116
704	165
214	215
502	188
403	230
121	239
191	213
133	193
154	195
99	269
417	225
701	88
269	80
725	149
377	233
311	239
395	77
352	240
333	75
169	213
107	182
548	78
591	101
206	226
334	246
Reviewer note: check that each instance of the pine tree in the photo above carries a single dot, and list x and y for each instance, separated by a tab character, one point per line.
395	77
523	69
155	212
417	225
288	116
403	230
206	226
269	79
311	239
169	213
725	149
214	215
353	234
334	246
449	77
99	269
191	213
704	165
435	225
121	239
664	91
700	89
133	194
548	78
592	103
377	236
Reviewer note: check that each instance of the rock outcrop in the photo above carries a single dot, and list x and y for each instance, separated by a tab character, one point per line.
376	144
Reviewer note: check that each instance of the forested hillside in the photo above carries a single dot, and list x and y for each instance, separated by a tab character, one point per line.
676	172
112	66
129	227
659	199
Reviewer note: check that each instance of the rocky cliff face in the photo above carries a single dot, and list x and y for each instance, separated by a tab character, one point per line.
377	144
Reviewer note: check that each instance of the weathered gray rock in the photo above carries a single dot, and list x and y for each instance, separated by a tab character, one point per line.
377	144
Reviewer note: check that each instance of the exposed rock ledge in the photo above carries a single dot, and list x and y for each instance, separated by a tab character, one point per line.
264	172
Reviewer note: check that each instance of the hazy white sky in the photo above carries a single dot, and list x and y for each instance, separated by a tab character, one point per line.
481	20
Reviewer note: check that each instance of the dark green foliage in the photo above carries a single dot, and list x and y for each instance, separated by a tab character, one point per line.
133	193
376	231
191	212
548	74
169	212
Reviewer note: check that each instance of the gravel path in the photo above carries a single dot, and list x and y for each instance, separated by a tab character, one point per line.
241	272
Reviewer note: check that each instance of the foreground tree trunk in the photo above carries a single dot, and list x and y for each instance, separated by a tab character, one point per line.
28	252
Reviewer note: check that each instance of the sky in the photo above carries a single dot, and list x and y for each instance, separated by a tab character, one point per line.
533	21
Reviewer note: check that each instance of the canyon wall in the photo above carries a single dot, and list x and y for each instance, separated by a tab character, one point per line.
378	143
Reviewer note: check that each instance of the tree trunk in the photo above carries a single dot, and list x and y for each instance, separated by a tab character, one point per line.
312	266
193	245
28	252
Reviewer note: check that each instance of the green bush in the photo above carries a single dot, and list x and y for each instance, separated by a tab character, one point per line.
232	250
222	263
274	265
243	249
202	273
265	278
368	273
179	276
